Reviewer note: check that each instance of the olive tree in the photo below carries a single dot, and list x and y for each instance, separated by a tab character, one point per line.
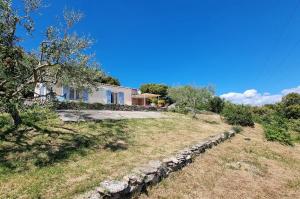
61	56
189	98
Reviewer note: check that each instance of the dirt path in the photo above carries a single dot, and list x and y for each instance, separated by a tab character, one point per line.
94	115
242	168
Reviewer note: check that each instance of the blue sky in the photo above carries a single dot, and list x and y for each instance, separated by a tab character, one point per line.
234	45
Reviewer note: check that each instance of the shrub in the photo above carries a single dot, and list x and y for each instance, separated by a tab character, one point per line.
5	121
35	114
291	106
237	129
161	102
294	125
216	104
277	130
291	99
238	115
292	112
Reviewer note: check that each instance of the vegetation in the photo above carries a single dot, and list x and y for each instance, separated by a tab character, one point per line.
159	89
237	129
216	104
190	99
255	169
238	115
276	129
281	120
291	106
61	56
47	158
108	80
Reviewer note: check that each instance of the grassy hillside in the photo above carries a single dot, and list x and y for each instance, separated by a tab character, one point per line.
48	159
246	167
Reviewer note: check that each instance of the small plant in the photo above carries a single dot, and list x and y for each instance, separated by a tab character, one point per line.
238	115
42	159
237	129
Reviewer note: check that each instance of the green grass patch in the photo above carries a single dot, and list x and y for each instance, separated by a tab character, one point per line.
47	158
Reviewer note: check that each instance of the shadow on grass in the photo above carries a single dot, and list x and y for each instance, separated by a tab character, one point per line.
33	145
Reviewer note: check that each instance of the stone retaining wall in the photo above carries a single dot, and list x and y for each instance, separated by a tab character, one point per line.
99	106
150	174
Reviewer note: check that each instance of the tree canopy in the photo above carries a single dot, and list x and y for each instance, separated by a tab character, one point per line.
109	80
189	98
159	89
291	105
61	55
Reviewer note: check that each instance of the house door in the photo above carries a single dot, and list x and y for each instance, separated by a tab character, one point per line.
114	98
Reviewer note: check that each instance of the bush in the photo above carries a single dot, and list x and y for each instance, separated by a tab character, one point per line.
32	115
237	129
238	115
216	104
291	106
292	112
294	125
277	130
161	103
5	121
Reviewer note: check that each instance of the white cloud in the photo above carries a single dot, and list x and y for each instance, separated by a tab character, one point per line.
253	97
291	90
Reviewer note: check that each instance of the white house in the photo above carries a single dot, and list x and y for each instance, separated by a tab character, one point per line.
104	93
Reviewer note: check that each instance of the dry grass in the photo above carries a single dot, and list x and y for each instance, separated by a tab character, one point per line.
238	169
73	169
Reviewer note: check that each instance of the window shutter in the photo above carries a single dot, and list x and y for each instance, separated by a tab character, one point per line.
43	91
108	96
121	98
85	95
66	91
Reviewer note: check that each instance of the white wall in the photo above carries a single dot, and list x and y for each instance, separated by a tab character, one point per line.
99	95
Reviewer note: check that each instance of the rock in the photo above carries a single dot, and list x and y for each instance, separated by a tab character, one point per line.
154	171
231	133
135	182
93	195
171	107
113	189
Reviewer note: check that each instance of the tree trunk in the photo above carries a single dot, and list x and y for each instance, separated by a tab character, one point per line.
13	111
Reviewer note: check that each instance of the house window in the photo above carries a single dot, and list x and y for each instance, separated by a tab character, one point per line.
72	94
75	94
114	98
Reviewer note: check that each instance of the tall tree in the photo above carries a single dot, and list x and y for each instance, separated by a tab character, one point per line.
159	89
106	79
61	56
191	98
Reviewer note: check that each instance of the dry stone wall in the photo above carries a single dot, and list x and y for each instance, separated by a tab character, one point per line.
152	173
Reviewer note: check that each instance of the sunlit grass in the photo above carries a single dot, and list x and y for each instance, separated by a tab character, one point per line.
49	159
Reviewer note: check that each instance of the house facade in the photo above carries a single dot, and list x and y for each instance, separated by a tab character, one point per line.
104	94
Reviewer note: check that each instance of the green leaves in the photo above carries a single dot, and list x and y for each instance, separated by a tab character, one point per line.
190	98
238	115
63	56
